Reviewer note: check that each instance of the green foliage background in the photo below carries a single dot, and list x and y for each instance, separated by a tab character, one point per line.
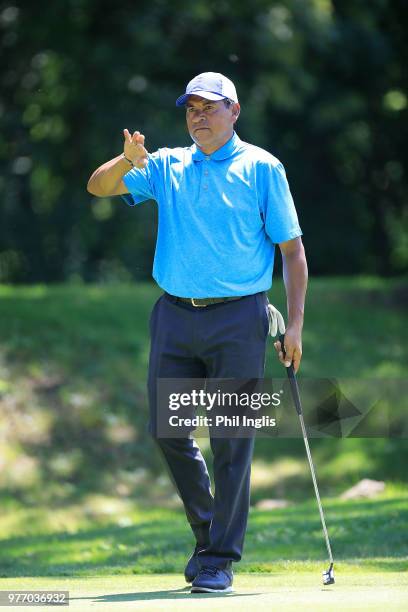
322	84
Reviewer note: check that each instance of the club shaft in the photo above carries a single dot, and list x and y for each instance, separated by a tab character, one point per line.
319	503
290	371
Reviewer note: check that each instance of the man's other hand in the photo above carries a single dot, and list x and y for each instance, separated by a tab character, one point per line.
293	348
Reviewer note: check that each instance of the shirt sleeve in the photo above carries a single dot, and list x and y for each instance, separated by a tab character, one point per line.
143	183
280	217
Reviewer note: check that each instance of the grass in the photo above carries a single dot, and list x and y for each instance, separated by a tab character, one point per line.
124	557
73	407
282	590
107	537
52	325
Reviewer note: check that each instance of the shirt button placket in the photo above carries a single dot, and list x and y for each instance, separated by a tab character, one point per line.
207	159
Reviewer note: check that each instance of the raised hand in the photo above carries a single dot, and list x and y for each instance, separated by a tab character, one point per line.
134	148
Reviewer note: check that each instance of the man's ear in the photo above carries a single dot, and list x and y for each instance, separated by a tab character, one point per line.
236	109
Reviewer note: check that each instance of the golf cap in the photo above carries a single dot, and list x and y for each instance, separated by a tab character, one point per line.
211	86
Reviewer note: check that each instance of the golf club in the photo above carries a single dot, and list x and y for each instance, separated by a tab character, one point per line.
328	575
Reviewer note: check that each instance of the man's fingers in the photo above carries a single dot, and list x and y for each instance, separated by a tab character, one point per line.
286	357
138	138
278	349
296	362
296	358
291	353
134	148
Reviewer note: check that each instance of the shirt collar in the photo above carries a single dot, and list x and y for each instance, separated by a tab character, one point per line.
228	149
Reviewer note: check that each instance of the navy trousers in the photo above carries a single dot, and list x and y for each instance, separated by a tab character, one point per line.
225	340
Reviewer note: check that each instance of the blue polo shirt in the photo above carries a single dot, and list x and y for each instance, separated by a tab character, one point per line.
219	217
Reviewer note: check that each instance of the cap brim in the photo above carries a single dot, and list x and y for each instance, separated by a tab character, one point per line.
208	95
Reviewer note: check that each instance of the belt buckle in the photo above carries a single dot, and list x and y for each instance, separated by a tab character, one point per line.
197	305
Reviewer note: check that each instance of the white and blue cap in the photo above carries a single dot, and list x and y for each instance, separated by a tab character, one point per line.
211	86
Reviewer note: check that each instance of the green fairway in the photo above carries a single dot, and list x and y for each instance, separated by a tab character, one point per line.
287	591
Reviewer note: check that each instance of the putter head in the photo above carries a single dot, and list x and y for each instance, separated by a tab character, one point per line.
328	575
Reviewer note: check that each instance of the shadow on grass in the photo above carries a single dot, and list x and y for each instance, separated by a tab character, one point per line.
181	594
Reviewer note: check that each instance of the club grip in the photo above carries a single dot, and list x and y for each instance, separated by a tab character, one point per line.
282	341
289	369
292	379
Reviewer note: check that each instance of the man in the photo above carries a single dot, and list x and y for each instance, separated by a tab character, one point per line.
223	205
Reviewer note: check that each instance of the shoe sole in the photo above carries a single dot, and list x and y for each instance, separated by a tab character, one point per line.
208	590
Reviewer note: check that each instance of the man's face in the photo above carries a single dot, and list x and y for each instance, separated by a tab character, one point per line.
210	124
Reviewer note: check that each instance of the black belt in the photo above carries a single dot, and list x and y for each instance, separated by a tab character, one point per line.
201	302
